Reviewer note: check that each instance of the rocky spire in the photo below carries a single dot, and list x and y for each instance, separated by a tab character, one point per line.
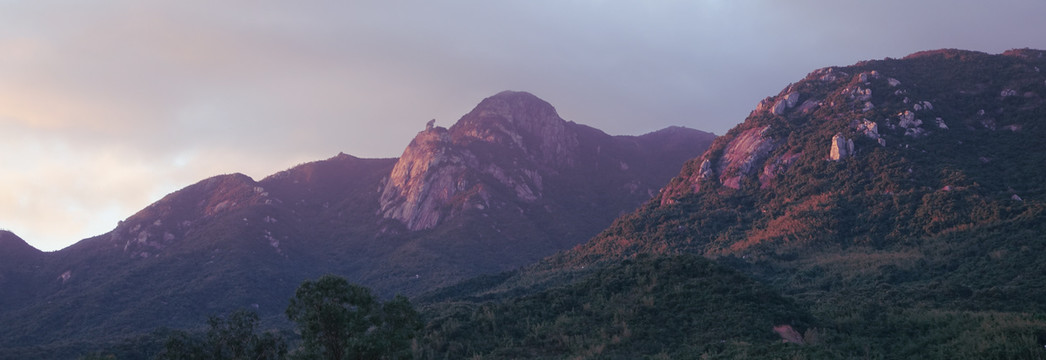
424	178
841	147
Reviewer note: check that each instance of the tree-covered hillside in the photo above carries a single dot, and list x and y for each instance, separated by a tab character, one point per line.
901	203
649	306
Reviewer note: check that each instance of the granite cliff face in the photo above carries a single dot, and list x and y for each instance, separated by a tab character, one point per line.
505	151
425	178
509	138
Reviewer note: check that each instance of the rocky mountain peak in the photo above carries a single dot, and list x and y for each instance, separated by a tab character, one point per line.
523	121
520	108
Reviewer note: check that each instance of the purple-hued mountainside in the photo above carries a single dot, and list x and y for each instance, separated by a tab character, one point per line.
508	184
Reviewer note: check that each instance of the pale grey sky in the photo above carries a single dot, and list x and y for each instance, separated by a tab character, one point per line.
106	106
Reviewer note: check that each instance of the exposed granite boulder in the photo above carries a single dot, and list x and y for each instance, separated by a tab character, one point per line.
871	130
842	148
742	155
706	170
787	102
941	124
742	158
808	106
912	126
781	103
829	74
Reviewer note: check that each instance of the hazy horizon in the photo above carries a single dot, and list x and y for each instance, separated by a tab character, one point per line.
105	107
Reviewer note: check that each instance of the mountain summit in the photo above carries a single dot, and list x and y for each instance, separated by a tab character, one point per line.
521	120
507	143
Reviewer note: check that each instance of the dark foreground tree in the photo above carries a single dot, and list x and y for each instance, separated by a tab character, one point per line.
338	320
234	337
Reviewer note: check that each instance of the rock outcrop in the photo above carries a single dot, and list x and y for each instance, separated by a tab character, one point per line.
912	126
871	130
428	174
842	148
785	103
779	105
743	155
511	138
742	158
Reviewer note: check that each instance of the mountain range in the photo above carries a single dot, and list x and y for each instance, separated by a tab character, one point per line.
510	183
889	209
